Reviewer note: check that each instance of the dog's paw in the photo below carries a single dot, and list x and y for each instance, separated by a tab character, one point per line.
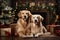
47	33
38	34
29	35
21	35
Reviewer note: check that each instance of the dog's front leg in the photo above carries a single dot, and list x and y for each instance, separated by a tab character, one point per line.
44	29
21	34
40	32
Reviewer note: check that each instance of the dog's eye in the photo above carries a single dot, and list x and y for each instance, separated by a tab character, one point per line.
22	13
26	13
37	17
33	17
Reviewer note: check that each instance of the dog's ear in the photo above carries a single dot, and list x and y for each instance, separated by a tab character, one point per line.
19	14
30	18
40	18
29	14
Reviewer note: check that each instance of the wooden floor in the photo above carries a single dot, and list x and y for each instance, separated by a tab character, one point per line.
31	38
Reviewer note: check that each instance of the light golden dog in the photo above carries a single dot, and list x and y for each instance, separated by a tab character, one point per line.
22	23
36	25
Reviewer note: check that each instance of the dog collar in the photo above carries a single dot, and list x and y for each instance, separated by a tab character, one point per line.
20	17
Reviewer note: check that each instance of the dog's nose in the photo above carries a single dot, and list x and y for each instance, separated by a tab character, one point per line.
35	20
24	16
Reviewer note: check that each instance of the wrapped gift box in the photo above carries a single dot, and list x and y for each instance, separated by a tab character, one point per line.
5	31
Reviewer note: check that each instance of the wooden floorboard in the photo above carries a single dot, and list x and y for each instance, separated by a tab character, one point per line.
31	38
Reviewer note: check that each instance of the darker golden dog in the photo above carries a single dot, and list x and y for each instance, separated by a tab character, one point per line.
23	22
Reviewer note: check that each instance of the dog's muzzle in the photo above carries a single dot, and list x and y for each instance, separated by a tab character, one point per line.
36	21
24	17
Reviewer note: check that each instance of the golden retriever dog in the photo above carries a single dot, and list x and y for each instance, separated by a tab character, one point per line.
36	25
22	23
